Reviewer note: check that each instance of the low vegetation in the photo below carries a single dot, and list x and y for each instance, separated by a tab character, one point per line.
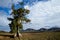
35	36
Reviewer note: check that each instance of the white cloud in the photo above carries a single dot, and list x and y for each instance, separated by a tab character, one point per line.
45	14
26	7
16	1
3	21
7	3
41	14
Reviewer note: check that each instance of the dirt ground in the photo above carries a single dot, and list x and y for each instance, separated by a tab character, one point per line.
34	36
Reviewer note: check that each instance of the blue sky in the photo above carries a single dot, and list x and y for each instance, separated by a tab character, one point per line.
42	13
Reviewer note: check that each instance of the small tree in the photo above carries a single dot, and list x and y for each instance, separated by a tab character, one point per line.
19	16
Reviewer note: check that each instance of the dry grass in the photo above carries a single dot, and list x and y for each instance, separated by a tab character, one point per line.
42	36
36	36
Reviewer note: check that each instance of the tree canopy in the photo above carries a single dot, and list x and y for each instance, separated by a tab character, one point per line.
19	16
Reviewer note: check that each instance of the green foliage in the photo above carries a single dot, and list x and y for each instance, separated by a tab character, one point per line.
10	19
19	16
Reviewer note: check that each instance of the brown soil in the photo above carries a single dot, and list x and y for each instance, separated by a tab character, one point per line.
35	36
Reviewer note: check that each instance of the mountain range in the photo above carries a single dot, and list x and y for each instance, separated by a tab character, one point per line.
55	29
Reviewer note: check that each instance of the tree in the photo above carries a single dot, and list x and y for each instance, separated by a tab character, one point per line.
19	17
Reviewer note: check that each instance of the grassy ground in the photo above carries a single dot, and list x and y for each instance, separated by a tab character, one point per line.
35	36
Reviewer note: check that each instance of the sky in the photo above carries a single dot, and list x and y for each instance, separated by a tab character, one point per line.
43	13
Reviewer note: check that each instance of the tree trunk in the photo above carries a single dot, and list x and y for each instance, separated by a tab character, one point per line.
18	33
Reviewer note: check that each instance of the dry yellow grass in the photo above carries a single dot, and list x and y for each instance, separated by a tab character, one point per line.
42	36
36	36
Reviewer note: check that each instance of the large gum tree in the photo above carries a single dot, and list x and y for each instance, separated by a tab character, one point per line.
19	17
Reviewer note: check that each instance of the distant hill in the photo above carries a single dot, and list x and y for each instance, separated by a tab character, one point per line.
54	29
30	29
3	32
42	29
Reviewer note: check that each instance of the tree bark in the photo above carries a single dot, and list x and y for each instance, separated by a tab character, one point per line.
18	33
